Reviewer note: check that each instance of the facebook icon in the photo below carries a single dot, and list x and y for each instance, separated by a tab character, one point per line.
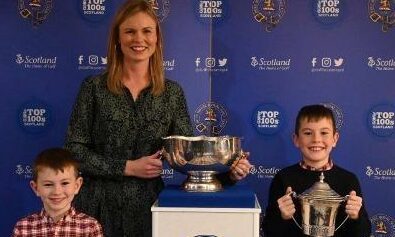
314	62
80	59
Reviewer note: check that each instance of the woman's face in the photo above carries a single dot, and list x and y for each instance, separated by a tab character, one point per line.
137	36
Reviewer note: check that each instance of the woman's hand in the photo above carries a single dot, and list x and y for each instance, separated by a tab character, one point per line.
353	205
286	205
240	168
144	167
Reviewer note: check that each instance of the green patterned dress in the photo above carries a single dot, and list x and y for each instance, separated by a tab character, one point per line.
105	130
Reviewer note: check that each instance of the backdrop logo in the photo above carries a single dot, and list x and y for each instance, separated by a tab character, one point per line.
94	10
35	117
268	119
161	7
329	12
211	11
271	64
91	62
327	64
382	226
169	64
24	170
380	173
35	10
337	113
263	172
211	64
380	12
381	120
167	173
381	64
268	12
210	118
35	62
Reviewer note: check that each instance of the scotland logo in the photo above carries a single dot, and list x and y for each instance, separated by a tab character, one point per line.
210	118
161	7
25	171
382	226
381	11
35	117
268	12
35	10
337	113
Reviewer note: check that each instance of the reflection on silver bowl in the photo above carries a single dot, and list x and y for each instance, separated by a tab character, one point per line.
201	158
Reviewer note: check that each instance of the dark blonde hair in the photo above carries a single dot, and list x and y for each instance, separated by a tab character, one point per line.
314	113
115	56
54	158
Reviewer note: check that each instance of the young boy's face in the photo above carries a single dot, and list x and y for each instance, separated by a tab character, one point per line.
316	140
56	189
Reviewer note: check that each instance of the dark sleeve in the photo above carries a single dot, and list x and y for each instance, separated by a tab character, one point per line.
362	226
225	179
80	140
273	224
181	124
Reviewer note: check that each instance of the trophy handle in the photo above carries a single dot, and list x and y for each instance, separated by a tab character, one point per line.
296	223
345	199
294	195
162	154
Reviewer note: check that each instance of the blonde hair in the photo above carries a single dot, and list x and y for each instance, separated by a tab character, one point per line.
115	56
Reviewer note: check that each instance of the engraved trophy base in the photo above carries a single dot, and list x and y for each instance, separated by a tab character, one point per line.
202	181
319	230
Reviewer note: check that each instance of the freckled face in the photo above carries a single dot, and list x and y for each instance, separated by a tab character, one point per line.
315	141
138	38
56	189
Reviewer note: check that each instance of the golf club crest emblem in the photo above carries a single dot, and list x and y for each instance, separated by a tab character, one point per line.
268	12
161	7
382	12
210	118
382	225
35	10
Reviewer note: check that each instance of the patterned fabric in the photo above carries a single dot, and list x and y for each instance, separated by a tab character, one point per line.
105	130
327	166
73	224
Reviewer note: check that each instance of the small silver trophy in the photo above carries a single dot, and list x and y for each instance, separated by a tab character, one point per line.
319	209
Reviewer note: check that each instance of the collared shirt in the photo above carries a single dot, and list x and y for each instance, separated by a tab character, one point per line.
327	166
73	224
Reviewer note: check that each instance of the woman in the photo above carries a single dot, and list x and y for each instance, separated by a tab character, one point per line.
118	122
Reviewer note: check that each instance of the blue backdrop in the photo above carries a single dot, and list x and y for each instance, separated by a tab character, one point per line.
246	68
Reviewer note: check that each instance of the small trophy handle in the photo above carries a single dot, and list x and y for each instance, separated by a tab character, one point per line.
342	222
296	223
294	195
345	199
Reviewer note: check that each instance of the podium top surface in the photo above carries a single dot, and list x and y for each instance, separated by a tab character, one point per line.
236	196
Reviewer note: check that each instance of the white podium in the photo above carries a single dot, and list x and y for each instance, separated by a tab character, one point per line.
216	222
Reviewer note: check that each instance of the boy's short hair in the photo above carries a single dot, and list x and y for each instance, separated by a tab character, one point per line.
56	159
314	113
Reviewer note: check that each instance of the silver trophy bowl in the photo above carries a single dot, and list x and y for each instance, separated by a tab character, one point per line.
201	158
